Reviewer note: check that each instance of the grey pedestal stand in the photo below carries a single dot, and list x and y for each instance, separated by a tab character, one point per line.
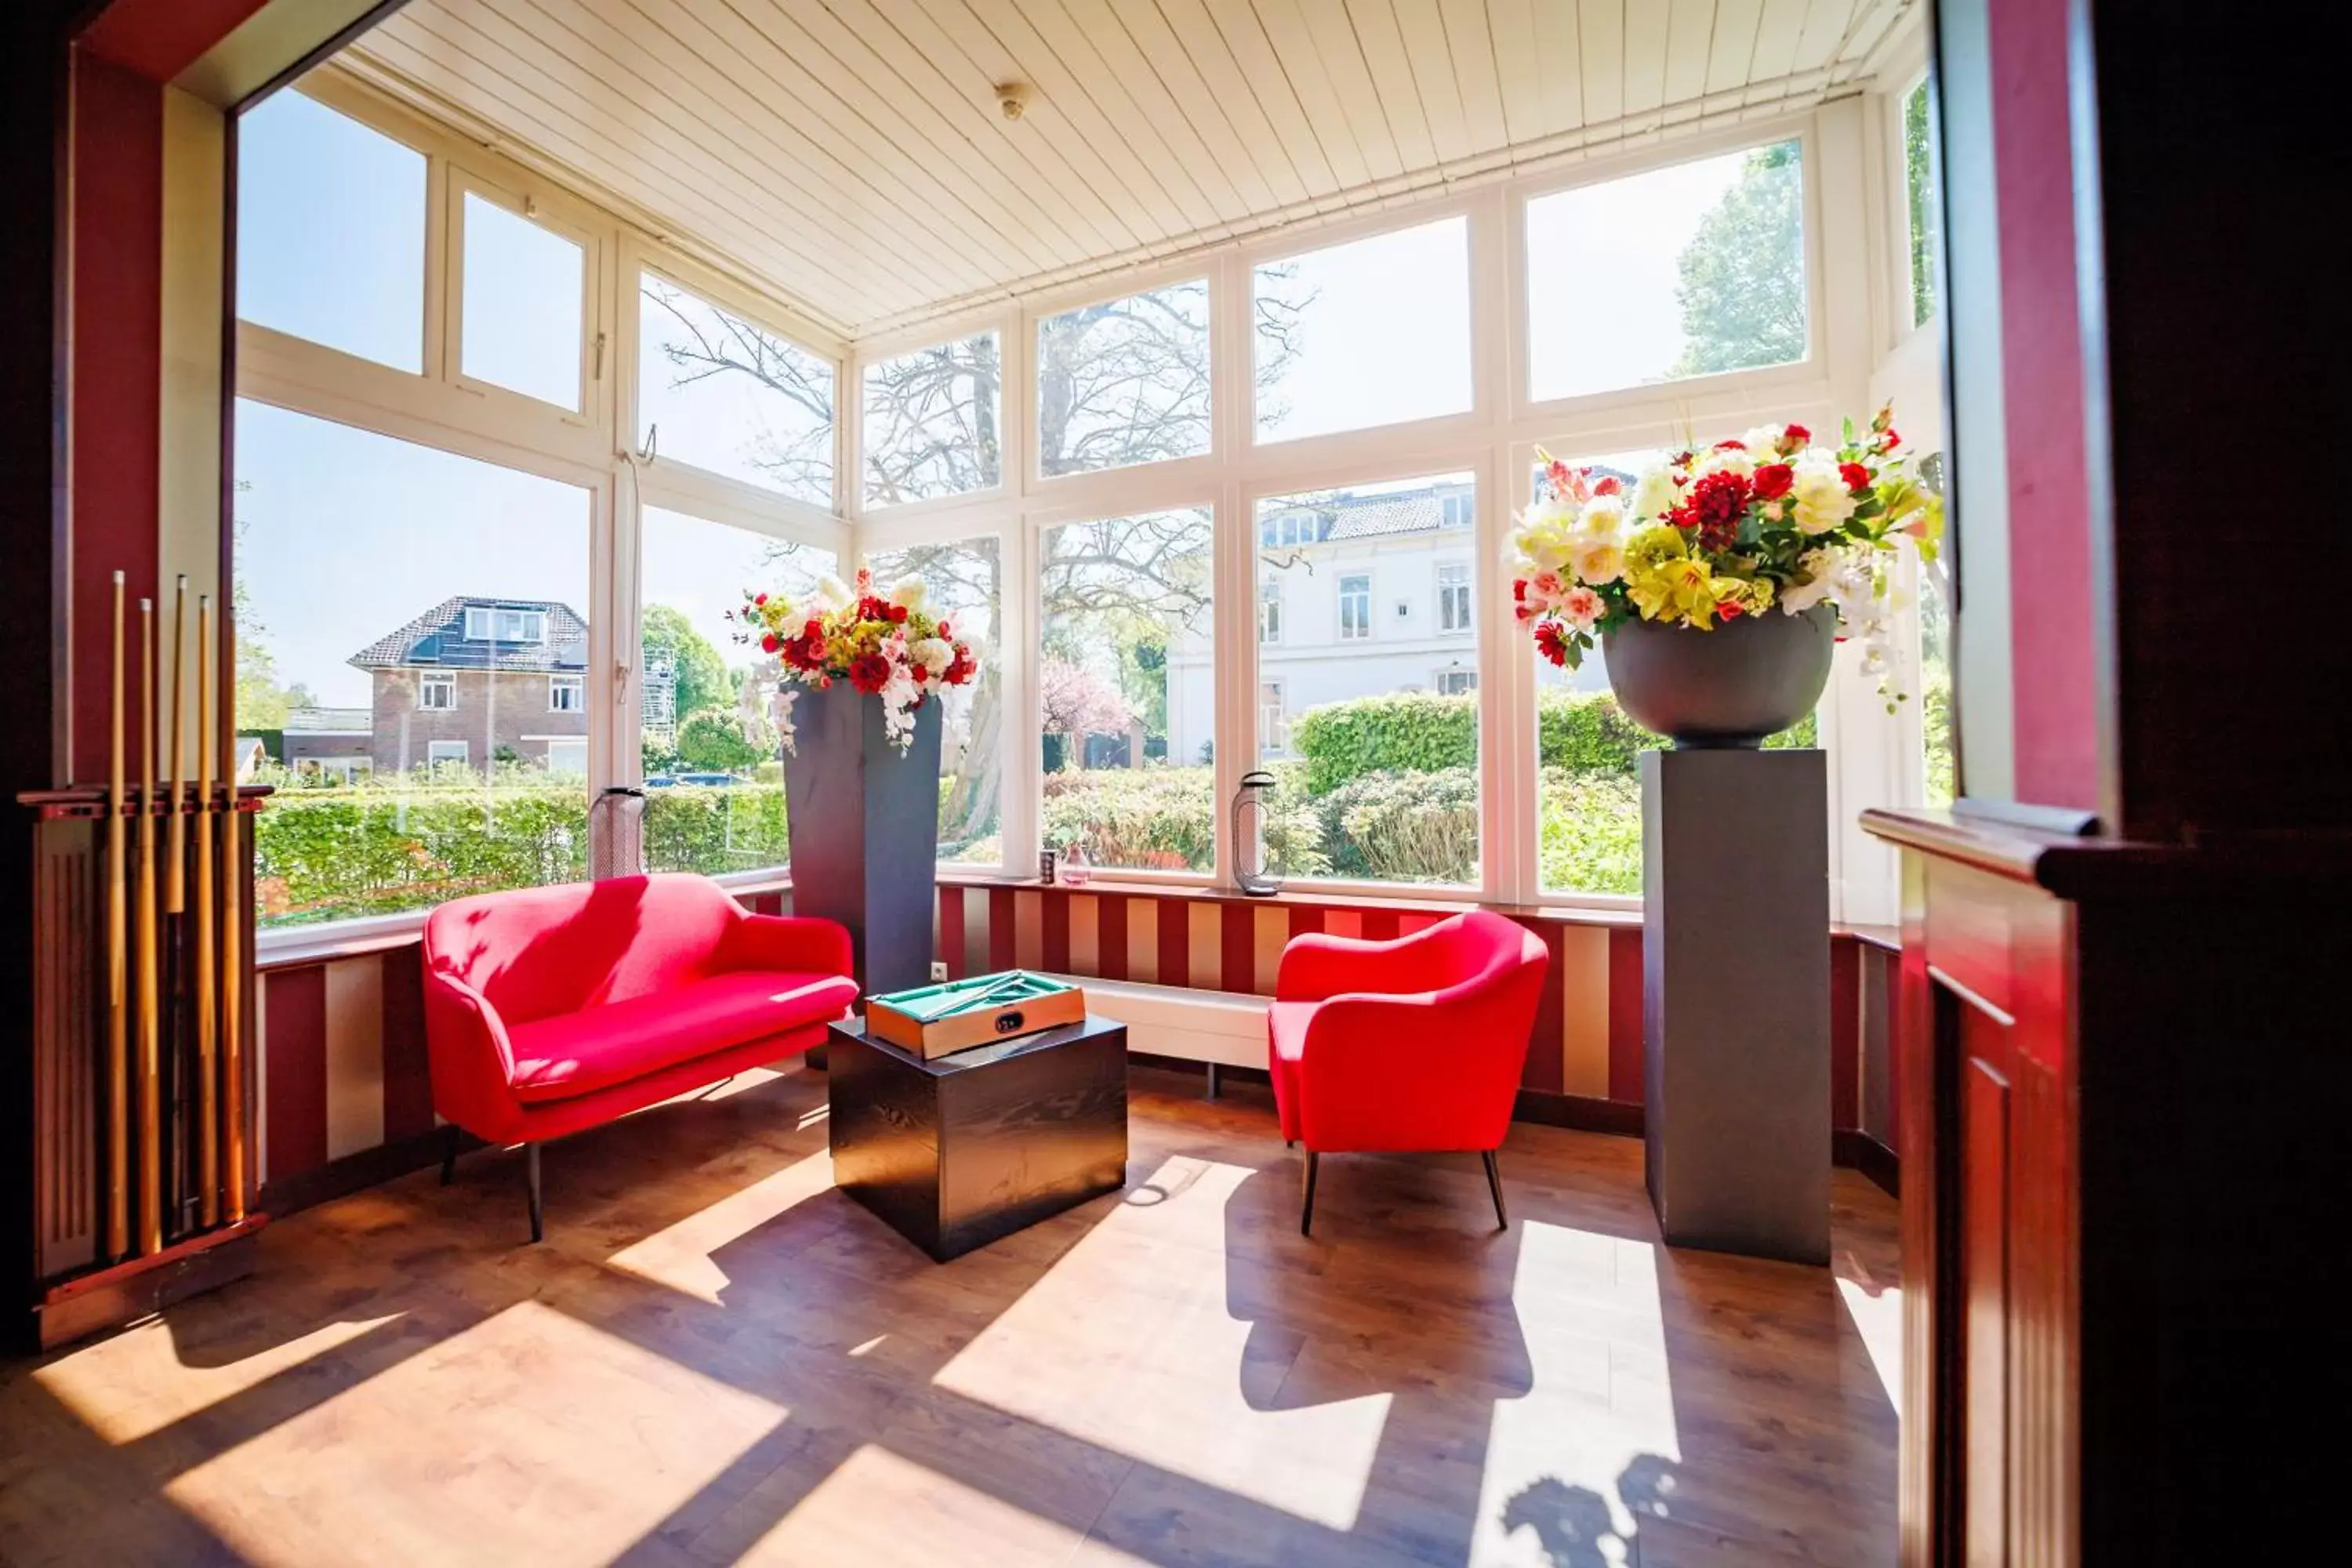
1734	1000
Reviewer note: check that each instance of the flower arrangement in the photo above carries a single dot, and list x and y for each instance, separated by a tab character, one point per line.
886	644
1741	528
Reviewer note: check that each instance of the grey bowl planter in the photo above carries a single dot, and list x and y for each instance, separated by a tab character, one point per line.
864	822
1727	687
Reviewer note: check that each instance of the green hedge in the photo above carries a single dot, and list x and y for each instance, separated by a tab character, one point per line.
323	853
716	828
1404	826
1163	818
1588	832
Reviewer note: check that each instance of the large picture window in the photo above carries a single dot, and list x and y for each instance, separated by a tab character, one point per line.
331	231
706	735
1125	381
1374	741
1376	331
932	419
1127	686
722	394
1683	271
965	584
525	293
417	761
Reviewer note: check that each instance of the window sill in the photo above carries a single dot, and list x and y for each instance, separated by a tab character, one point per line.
1309	896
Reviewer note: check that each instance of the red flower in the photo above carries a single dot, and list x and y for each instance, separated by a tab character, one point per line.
959	669
1550	644
759	598
1729	611
1731	446
1795	435
941	631
898	614
1856	476
1712	511
1773	480
869	672
1518	589
1607	485
770	643
1888	440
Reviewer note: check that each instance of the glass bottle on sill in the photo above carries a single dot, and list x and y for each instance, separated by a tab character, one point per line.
1074	865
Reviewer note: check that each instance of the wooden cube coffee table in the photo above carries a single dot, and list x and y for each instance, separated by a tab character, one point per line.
956	1152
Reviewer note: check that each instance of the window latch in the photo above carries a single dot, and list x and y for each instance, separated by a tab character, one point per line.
599	375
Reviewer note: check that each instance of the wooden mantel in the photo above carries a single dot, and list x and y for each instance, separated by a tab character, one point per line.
2110	1060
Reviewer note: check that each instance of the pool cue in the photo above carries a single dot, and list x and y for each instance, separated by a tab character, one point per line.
179	1170
232	972
151	1153
207	1068
118	1002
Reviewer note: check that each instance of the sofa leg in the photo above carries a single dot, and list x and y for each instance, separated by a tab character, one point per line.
1494	1185
1213	1080
1307	1199
448	1154
538	1210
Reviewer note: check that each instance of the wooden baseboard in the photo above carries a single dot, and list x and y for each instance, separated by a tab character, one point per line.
357	1172
1226	1071
1858	1151
130	1291
1578	1112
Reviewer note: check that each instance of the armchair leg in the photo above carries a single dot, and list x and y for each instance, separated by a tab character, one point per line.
538	1210
1494	1185
1307	1200
449	1153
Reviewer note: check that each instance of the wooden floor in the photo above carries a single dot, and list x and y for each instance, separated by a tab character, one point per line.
716	1356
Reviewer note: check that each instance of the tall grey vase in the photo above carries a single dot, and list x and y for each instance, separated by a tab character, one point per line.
864	820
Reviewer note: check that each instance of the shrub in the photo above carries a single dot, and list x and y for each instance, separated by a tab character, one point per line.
1590	832
1405	732
735	827
331	854
1404	826
1165	819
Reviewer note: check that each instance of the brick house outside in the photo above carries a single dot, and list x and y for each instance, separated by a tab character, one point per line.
473	682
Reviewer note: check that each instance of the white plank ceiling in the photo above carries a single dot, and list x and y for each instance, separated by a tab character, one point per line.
850	154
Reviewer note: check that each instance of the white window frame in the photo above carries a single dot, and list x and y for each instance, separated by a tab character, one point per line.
439	751
1845	172
559	217
1360	600
1457	611
1269	612
1273	719
444	686
1450	682
567	694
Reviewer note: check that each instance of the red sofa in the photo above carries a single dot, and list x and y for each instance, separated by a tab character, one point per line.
549	1010
1415	1044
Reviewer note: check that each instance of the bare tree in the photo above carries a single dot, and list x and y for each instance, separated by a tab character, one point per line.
1118	383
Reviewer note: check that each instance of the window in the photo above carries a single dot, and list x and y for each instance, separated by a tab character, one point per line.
1683	271
706	737
730	397
1124	383
1936	733
932	419
1269	612
1272	722
360	558
1282	532
525	289
1376	763
1461	511
964	580
331	231
1354	606
1127	686
567	694
1372	332
505	623
568	758
1921	200
1453	596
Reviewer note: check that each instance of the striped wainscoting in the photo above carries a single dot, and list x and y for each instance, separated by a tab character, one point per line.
346	1094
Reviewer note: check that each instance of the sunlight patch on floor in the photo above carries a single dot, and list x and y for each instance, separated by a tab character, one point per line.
877	1509
1108	1345
1878	1319
530	1413
1594	1437
139	1383
682	1256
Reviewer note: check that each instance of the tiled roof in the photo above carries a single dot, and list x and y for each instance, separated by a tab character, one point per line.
1379	517
329	721
436	640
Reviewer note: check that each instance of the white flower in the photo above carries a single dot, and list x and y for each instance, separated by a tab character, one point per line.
1764	441
1603	519
1821	579
1725	460
909	592
1656	494
934	654
832	591
1821	500
1603	562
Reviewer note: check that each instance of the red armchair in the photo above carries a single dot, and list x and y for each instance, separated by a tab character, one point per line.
549	1010
1407	1045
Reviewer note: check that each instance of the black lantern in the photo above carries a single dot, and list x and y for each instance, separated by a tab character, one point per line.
1252	802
